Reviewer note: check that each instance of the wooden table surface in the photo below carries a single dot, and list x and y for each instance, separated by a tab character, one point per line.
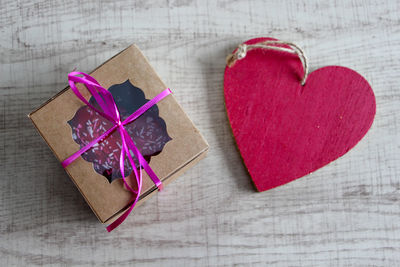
347	213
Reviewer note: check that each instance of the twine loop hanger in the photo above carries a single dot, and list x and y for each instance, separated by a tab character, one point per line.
242	50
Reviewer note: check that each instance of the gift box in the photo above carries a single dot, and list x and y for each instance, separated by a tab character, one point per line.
165	136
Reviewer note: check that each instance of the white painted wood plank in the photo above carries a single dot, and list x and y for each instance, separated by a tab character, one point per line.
344	214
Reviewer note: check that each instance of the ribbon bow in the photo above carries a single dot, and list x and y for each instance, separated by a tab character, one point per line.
109	110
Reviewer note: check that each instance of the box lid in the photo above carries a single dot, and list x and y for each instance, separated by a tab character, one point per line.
107	199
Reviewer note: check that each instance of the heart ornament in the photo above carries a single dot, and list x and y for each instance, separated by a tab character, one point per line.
286	123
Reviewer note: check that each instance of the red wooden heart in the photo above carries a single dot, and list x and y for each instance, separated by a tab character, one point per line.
284	130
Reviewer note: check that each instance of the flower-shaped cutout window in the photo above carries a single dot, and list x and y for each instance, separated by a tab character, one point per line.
148	132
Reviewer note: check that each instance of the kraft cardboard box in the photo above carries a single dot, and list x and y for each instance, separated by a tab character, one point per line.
165	135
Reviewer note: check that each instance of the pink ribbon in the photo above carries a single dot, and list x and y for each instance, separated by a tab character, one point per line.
110	111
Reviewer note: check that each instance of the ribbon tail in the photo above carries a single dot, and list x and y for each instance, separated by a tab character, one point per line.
143	162
126	149
122	218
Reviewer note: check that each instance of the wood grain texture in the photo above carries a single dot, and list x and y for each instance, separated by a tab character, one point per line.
344	214
285	130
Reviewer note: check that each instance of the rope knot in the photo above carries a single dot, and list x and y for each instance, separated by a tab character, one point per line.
242	51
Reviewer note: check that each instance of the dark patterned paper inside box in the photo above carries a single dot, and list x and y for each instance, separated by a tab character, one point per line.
148	132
